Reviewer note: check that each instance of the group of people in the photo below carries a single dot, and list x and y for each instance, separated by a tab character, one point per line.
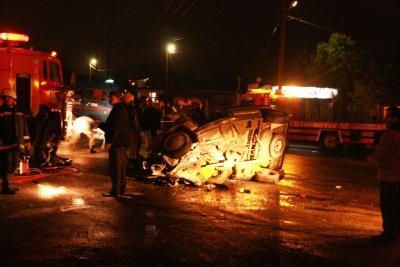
122	141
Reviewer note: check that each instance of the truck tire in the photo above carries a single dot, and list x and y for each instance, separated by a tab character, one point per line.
49	140
330	141
177	144
277	146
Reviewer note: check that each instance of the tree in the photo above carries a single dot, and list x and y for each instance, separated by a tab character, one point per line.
364	88
368	95
335	62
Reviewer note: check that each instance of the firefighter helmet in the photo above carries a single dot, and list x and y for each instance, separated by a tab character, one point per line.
9	92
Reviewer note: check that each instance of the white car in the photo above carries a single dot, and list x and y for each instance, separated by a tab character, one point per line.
249	143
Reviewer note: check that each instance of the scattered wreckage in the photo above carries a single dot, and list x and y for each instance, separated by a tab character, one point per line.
249	143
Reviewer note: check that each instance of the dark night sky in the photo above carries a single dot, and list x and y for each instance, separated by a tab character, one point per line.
218	40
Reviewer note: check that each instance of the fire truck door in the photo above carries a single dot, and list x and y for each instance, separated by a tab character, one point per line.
23	85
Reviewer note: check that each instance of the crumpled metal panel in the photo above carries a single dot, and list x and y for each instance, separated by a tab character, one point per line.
244	145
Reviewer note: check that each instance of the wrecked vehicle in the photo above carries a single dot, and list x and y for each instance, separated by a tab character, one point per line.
248	143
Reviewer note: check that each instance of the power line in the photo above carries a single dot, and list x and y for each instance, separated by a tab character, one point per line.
184	82
267	45
311	24
167	7
189	8
178	7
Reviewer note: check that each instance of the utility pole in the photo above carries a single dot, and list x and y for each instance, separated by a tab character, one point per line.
282	41
166	71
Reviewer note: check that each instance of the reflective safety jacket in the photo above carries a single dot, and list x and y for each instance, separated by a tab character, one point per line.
14	130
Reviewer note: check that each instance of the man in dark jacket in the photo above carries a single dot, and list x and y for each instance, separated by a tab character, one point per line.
387	158
117	142
134	127
151	118
14	137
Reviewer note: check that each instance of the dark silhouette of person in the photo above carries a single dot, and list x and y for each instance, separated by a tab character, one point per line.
117	141
14	138
151	118
387	158
134	126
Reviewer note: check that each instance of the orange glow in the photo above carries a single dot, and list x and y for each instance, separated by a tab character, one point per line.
53	53
260	91
78	201
284	201
287	182
48	191
16	37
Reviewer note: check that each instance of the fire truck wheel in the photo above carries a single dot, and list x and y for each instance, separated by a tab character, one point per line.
330	141
277	146
177	144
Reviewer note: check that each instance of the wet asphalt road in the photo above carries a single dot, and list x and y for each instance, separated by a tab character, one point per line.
321	214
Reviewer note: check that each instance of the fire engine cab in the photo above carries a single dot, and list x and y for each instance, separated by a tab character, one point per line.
37	79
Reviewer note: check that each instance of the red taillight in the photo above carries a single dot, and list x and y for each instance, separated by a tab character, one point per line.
14	37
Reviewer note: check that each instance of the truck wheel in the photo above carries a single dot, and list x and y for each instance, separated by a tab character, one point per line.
277	146
330	142
49	139
177	144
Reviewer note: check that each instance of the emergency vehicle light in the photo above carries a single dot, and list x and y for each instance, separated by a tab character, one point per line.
307	92
16	37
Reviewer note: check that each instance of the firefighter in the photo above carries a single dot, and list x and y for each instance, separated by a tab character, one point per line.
69	117
14	137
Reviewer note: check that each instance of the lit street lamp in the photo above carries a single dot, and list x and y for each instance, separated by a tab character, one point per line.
92	64
169	49
282	40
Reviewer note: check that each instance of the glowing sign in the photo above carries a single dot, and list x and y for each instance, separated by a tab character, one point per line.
260	91
307	92
16	37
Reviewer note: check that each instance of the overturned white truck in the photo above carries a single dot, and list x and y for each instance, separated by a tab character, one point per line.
249	143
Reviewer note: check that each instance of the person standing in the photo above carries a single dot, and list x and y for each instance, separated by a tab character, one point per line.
117	141
387	158
69	117
14	138
151	118
134	127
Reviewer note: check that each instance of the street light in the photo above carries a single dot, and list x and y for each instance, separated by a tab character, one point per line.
169	49
92	64
282	40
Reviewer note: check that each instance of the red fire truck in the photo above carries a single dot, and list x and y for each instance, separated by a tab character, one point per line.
311	109
37	79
